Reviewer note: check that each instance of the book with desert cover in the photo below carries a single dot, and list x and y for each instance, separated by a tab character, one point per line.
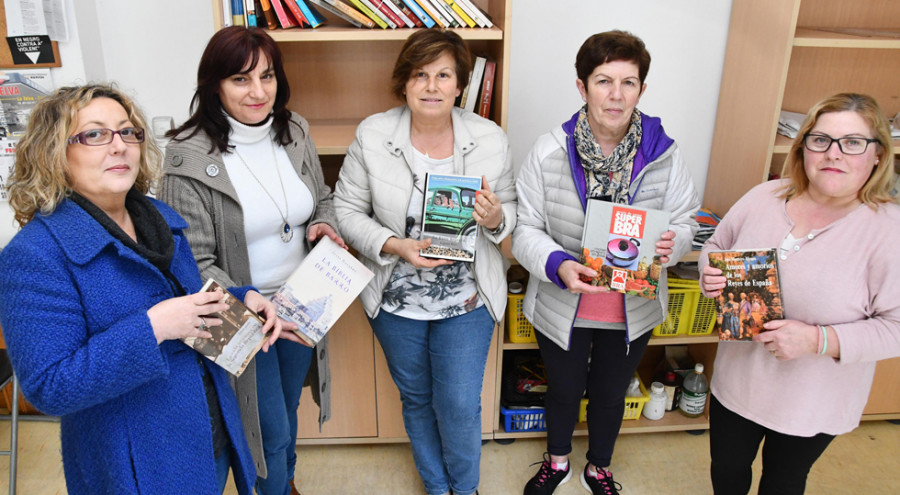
752	293
237	339
318	292
619	242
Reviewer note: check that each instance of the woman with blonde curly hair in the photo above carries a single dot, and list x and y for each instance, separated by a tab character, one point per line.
96	292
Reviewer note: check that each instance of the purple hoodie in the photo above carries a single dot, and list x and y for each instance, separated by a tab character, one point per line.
654	142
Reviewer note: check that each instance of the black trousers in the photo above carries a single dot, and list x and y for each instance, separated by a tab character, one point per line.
598	361
734	442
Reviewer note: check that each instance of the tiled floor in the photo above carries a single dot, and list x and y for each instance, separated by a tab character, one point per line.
866	461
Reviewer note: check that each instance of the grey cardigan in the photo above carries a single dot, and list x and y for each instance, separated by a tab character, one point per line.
196	184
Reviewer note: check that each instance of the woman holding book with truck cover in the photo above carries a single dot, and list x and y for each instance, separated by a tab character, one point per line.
434	318
590	338
806	378
244	172
96	292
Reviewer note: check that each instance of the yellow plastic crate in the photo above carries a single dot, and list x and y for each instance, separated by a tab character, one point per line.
690	313
633	405
520	329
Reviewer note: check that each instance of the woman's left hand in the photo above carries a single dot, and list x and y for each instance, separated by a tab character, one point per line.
319	230
266	308
789	339
664	245
488	212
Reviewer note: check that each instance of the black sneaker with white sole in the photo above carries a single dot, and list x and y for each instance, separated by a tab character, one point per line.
602	484
547	479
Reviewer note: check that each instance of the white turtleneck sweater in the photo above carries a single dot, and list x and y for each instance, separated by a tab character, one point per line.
271	259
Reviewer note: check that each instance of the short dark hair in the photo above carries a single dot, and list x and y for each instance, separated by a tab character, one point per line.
611	46
424	47
226	54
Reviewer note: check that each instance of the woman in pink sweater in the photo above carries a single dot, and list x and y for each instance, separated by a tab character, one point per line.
837	229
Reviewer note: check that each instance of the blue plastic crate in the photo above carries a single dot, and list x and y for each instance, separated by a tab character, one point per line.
520	420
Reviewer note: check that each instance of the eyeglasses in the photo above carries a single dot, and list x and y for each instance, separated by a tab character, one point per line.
820	143
99	137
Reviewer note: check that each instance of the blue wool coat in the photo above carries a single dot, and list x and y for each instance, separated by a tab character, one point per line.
134	415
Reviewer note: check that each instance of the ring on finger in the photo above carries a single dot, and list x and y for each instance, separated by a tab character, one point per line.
202	324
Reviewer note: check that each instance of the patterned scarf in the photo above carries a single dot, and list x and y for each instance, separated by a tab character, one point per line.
607	176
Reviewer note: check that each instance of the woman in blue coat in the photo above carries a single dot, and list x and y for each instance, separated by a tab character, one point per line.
96	291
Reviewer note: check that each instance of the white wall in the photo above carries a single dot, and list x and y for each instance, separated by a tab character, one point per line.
686	40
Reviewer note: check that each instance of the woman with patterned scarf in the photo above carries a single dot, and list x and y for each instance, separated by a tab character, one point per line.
591	339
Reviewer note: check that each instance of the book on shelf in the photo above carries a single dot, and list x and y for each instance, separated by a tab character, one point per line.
313	17
345	12
447	216
408	14
487	89
321	289
250	12
293	9
360	6
417	10
226	13
237	12
470	97
404	20
619	243
752	293
476	13
269	14
447	12
428	9
387	13
461	16
285	18
375	10
236	340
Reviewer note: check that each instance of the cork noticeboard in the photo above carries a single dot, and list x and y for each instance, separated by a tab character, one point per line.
6	57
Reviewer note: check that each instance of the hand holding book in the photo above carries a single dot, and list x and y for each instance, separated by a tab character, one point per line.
488	211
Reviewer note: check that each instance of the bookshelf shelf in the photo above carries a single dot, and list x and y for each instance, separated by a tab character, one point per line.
349	33
847	38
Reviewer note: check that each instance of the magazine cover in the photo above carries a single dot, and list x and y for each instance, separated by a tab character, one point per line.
752	294
321	289
236	340
447	216
619	242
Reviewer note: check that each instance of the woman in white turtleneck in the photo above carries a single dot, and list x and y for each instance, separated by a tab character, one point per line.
245	174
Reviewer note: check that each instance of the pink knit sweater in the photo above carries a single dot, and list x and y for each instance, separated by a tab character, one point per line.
846	275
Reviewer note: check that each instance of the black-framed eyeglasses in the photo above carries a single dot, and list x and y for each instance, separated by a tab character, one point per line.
99	137
820	143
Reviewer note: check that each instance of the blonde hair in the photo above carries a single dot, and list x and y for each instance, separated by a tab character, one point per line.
40	179
877	188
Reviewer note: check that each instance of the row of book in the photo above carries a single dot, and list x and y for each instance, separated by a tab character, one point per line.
385	14
477	95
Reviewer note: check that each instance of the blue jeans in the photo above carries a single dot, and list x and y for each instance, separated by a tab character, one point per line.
438	367
279	381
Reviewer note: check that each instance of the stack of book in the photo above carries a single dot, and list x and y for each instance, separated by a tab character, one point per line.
477	95
385	14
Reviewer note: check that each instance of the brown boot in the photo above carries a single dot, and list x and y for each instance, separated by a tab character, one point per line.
294	490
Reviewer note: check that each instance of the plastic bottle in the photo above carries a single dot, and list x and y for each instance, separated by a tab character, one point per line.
655	408
672	383
693	393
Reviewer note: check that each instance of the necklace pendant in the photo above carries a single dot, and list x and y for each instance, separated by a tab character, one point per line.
287	233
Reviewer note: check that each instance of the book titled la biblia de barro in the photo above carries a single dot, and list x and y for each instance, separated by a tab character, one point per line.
619	243
321	289
447	216
237	339
752	293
